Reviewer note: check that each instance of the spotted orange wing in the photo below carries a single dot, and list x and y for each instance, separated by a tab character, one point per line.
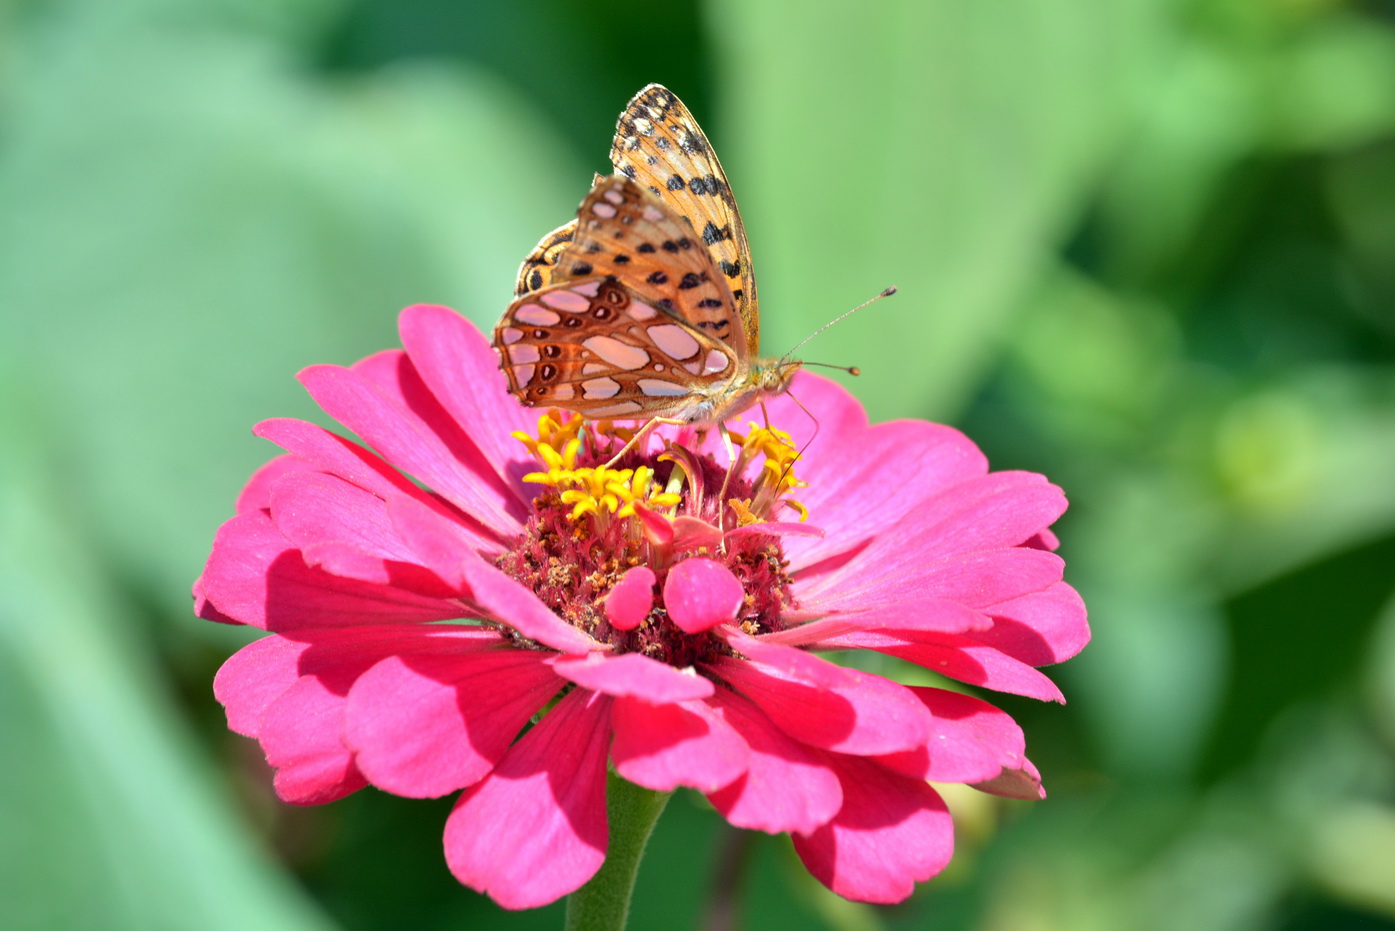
626	232
536	271
612	336
659	145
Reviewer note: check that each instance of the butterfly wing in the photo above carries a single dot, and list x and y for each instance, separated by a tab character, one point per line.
536	271
594	346
625	232
659	145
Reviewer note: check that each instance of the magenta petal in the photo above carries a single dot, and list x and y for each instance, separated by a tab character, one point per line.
535	828
849	481
924	614
407	442
632	598
633	674
422	726
701	593
825	705
1022	782
432	538
456	361
1044	627
255	676
892	832
344	458
300	734
256	494
256	576
787	787
959	657
663	747
992	513
970	740
259	673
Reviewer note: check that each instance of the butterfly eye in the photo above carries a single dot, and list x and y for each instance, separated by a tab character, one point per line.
552	351
547	373
540	334
603	313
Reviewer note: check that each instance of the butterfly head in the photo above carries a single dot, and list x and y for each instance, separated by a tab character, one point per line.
773	376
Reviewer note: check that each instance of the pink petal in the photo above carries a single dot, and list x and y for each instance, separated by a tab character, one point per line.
632	598
422	726
924	614
256	675
256	494
701	593
691	533
346	531
349	461
1023	782
992	512
1044	627
633	674
433	538
892	832
976	580
409	443
825	705
300	734
255	575
786	787
775	528
970	740
663	747
862	486
535	828
462	370
958	657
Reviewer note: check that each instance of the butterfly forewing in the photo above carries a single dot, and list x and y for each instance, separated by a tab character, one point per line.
660	145
625	232
594	346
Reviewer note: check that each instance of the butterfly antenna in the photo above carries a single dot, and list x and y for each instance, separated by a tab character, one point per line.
843	316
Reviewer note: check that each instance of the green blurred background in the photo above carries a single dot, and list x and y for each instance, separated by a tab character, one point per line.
1144	246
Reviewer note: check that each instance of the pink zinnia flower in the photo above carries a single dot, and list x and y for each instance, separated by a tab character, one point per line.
417	631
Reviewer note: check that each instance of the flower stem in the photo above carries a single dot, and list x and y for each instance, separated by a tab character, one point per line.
603	904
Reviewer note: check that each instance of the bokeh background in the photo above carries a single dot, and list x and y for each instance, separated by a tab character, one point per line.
1144	246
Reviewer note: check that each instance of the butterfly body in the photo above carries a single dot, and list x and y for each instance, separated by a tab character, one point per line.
644	307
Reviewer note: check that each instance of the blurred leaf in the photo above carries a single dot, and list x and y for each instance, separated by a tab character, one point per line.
220	218
111	821
940	147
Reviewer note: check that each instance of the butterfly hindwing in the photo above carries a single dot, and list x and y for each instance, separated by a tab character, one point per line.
536	271
625	232
659	145
596	347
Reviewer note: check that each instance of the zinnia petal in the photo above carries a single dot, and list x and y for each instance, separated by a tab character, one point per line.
892	832
422	726
663	747
535	828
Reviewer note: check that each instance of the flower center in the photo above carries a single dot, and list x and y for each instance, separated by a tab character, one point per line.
595	521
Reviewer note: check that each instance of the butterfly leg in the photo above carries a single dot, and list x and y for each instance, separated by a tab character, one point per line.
640	434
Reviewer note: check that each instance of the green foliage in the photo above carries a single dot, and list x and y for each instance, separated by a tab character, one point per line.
1146	248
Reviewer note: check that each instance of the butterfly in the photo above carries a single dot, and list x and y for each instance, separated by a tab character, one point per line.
644	306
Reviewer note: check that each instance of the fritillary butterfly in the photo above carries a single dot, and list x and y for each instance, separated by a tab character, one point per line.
644	306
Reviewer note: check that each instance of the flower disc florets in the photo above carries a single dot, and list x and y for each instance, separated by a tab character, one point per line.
594	521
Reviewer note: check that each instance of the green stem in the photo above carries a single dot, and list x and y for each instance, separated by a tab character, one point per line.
603	904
